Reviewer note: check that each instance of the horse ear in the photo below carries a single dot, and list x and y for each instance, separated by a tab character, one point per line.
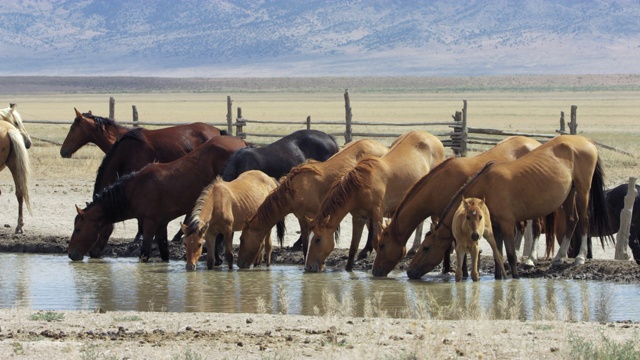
386	222
79	210
13	107
203	230
184	228
326	220
481	202
308	219
78	114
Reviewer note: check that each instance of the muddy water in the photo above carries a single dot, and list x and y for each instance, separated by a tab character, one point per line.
52	282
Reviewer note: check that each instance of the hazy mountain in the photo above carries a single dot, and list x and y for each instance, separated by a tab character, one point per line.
318	37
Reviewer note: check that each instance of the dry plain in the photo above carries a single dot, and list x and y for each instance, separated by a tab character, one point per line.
610	117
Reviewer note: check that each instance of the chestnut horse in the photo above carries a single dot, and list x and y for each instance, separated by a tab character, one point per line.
89	128
470	222
565	171
370	191
157	194
301	193
13	154
431	194
140	147
223	208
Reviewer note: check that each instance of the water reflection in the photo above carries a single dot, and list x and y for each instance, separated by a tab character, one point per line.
54	283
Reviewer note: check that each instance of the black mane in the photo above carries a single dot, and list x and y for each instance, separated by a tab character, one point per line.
134	134
113	199
100	121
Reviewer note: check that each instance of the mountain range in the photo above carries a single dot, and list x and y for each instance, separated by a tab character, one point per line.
292	38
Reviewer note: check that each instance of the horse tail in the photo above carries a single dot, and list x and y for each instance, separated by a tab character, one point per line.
550	233
598	215
280	231
23	166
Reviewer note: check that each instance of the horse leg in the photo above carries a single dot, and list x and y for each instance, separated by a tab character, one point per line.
218	249
228	241
163	243
465	268
356	232
267	249
460	253
497	256
474	251
518	241
19	197
446	261
417	239
529	243
369	246
508	234
210	240
304	237
570	212
98	248
138	237
147	238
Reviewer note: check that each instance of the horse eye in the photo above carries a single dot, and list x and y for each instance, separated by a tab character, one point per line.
468	217
381	246
318	240
426	248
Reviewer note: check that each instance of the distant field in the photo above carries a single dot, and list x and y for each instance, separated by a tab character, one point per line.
608	113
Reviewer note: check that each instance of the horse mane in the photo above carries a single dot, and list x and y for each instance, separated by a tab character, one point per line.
101	122
464	187
193	223
135	134
277	198
352	181
411	193
113	198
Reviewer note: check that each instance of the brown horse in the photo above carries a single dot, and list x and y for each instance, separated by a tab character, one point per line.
13	154
223	208
563	171
157	194
371	190
161	145
301	193
431	194
89	128
470	221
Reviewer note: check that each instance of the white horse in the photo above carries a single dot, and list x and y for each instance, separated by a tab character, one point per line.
14	141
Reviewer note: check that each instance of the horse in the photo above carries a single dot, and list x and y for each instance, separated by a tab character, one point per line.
13	154
371	190
430	195
277	158
301	193
155	194
223	208
12	116
565	171
89	128
139	147
470	221
614	199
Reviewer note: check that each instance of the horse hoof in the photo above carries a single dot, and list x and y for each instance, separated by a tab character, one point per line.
363	255
557	262
529	263
579	261
144	258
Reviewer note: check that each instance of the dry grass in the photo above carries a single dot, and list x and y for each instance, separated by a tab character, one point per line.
608	117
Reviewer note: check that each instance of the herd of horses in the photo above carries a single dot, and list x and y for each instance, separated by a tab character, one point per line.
221	184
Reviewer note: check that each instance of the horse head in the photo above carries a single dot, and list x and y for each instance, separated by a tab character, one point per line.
389	252
76	137
473	222
12	116
251	241
193	242
87	228
321	243
431	251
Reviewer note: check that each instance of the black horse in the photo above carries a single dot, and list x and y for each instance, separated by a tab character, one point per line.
277	159
614	199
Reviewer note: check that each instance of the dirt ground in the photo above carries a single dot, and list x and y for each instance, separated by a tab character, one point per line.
142	335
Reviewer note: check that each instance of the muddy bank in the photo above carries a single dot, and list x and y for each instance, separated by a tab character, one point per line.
597	269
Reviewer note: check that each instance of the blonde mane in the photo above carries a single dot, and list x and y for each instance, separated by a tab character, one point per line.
194	223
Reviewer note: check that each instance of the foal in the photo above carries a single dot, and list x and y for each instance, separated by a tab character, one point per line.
471	221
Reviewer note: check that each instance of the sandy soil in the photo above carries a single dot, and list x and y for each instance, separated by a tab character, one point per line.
135	335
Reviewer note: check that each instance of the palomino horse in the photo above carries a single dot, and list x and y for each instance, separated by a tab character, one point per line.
157	194
431	194
89	128
140	147
470	221
371	190
223	208
13	154
301	193
12	116
564	171
277	158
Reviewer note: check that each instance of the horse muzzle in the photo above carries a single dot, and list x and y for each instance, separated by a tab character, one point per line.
475	237
190	267
75	256
313	268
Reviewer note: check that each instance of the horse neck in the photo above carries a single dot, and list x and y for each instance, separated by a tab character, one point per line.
274	208
105	139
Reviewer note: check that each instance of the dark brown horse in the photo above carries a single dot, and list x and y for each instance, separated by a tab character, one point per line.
564	171
431	194
139	147
155	195
89	128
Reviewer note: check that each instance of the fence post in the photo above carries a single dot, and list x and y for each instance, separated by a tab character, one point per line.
135	115
112	108
465	132
622	237
240	125
309	122
562	125
229	116
348	115
573	124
